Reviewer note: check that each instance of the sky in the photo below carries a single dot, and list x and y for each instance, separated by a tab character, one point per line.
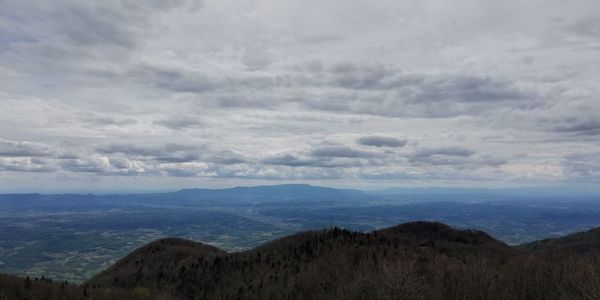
161	95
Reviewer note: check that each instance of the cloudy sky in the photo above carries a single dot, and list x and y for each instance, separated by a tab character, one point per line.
120	95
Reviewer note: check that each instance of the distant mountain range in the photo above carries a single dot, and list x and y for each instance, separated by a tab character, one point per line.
236	195
417	260
281	192
289	192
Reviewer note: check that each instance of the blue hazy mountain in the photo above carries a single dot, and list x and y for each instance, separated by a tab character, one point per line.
282	191
42	232
202	197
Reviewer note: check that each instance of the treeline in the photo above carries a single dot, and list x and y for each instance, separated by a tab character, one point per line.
16	288
412	261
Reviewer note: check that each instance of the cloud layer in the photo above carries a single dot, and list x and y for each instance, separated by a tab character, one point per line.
168	94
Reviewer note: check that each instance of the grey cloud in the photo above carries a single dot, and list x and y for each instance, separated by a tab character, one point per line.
424	87
175	80
289	160
90	26
441	160
579	126
172	153
323	159
352	76
71	42
233	83
442	156
178	122
423	95
200	81
370	89
130	149
444	151
175	153
589	26
25	165
582	166
469	90
120	163
381	141
179	172
161	5
23	149
361	89
178	157
116	23
106	166
340	151
67	155
457	157
86	166
243	102
227	157
104	121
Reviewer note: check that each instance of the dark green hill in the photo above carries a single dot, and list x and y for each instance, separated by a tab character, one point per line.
418	260
580	242
335	262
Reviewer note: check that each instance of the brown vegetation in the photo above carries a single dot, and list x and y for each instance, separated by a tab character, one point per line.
418	260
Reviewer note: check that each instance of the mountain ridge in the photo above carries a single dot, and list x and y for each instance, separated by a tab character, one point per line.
415	260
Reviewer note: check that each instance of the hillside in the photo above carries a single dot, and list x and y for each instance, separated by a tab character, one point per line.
417	260
582	242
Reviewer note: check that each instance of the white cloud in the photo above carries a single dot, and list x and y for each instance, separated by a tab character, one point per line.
187	92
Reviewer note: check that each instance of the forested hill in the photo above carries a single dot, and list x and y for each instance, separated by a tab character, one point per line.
418	260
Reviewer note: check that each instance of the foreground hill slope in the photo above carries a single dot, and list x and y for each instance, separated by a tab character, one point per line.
418	260
402	262
586	242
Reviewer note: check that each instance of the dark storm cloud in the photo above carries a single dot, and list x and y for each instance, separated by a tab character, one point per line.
381	141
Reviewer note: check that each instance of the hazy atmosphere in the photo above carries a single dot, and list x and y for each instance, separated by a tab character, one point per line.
299	149
142	95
